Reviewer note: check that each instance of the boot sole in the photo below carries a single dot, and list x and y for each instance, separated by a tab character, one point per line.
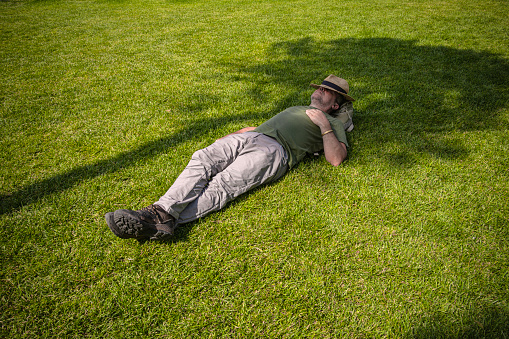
125	225
110	220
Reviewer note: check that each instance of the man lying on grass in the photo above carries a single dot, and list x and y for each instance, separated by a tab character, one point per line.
244	160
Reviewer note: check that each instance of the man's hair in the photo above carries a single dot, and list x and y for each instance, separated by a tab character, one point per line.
340	100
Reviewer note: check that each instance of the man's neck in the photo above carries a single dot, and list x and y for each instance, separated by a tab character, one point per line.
318	106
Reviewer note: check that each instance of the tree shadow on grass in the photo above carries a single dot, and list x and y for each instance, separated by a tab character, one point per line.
487	322
61	182
409	96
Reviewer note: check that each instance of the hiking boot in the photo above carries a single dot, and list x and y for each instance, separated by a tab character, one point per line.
345	114
151	222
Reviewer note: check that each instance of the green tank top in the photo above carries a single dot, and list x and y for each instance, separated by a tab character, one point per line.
293	129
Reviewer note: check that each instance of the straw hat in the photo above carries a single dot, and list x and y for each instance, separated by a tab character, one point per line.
336	84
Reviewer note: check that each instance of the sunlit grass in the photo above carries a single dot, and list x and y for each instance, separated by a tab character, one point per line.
104	102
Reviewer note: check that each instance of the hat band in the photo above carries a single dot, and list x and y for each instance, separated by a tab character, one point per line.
334	86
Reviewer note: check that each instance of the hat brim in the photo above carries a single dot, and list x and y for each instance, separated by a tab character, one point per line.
346	96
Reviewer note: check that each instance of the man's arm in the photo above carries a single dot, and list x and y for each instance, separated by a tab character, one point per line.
242	130
335	151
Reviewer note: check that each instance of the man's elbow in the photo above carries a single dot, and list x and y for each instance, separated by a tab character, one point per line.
340	156
336	163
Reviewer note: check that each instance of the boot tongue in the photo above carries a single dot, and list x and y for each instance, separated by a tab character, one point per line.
162	215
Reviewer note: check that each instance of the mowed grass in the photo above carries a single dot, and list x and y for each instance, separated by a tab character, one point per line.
104	102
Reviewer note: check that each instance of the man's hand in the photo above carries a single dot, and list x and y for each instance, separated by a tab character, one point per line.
335	151
319	119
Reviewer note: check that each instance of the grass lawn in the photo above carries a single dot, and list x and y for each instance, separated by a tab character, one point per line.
102	103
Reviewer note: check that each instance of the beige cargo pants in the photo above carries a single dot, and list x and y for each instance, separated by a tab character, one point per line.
221	172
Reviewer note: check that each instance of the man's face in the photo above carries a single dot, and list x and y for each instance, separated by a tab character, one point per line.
324	99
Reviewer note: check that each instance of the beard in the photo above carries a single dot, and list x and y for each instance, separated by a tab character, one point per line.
316	99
